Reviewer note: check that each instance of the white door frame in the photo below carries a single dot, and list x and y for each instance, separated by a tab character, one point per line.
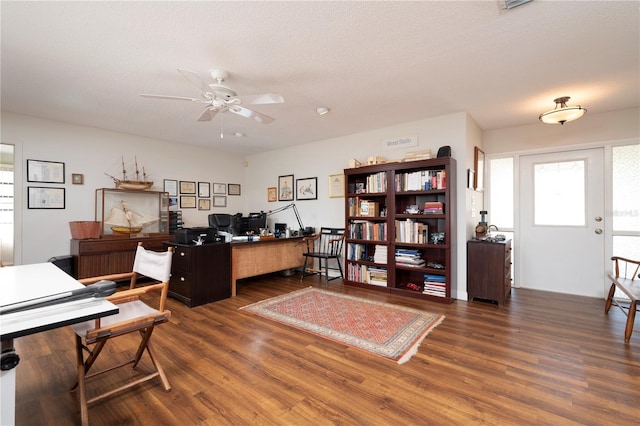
608	196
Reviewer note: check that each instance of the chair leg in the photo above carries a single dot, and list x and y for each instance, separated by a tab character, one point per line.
630	320
340	267
607	305
159	369
84	411
304	268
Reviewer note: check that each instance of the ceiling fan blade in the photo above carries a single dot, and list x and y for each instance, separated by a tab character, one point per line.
178	98
266	98
208	114
248	113
195	80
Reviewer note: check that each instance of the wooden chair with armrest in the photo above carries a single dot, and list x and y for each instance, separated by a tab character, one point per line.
624	278
134	316
324	246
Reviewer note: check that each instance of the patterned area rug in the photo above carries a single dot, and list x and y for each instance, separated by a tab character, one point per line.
390	331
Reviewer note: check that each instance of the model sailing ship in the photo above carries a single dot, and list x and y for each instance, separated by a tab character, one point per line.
136	185
125	221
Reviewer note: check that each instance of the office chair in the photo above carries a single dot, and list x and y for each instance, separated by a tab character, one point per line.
134	315
324	246
222	222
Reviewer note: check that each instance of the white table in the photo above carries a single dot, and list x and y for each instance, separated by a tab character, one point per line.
27	282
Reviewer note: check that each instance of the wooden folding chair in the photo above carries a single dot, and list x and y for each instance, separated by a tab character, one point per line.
135	315
624	279
324	246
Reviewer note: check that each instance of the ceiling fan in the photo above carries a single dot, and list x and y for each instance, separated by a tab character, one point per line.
220	98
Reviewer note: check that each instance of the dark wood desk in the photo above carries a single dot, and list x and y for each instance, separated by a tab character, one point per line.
252	258
200	274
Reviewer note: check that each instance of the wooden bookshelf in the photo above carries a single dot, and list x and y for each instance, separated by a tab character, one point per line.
408	235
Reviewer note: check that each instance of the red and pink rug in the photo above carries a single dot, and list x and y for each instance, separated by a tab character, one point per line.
390	331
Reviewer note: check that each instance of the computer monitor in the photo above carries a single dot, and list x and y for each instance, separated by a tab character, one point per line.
282	227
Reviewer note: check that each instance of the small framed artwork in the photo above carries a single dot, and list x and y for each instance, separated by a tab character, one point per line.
219	201
336	186
272	194
187	202
233	189
171	186
219	188
471	179
285	188
204	204
77	178
307	189
45	198
479	169
45	171
187	187
204	189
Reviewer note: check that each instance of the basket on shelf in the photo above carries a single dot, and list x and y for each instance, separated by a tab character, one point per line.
83	230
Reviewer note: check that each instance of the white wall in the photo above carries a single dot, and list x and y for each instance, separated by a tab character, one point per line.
323	158
592	128
92	152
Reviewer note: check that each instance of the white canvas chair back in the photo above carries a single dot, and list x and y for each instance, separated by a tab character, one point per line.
156	265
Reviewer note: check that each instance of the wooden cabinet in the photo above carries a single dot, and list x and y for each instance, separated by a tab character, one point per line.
200	274
103	256
400	221
489	270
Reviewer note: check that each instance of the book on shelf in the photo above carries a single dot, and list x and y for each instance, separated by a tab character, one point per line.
431	207
422	180
411	231
380	254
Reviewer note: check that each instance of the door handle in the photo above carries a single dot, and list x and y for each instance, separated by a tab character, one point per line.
598	231
598	219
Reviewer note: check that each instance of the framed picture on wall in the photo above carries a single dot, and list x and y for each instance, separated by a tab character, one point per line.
204	204
272	194
336	186
171	186
219	201
285	188
187	187
219	188
204	189
233	189
45	198
479	169
45	171
307	189
187	202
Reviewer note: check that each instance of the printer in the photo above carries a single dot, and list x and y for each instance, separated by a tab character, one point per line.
190	235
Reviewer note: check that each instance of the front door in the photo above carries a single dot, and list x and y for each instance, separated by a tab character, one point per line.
562	222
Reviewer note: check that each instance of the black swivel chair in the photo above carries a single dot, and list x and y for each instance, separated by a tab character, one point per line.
222	222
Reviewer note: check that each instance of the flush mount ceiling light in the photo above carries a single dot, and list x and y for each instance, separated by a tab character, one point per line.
562	113
322	110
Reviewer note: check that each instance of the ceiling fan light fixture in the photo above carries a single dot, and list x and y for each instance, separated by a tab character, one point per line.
562	113
322	110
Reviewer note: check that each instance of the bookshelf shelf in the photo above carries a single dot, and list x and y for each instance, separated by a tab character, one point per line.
405	245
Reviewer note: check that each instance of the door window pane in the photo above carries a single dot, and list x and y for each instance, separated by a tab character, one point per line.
559	193
501	190
626	188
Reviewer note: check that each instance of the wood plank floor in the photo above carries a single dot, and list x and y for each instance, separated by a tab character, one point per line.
544	359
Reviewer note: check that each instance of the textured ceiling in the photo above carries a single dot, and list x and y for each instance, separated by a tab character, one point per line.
375	64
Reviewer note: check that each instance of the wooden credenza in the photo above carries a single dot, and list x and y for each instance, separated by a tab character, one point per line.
200	274
103	256
489	270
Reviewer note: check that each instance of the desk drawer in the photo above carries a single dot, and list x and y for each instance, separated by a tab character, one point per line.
181	283
181	259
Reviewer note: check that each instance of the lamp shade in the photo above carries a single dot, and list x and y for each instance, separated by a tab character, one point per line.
562	113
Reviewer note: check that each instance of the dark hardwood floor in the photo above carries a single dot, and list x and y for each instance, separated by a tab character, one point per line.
544	359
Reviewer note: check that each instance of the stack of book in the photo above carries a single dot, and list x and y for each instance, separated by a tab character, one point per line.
431	207
380	255
377	276
435	285
410	258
